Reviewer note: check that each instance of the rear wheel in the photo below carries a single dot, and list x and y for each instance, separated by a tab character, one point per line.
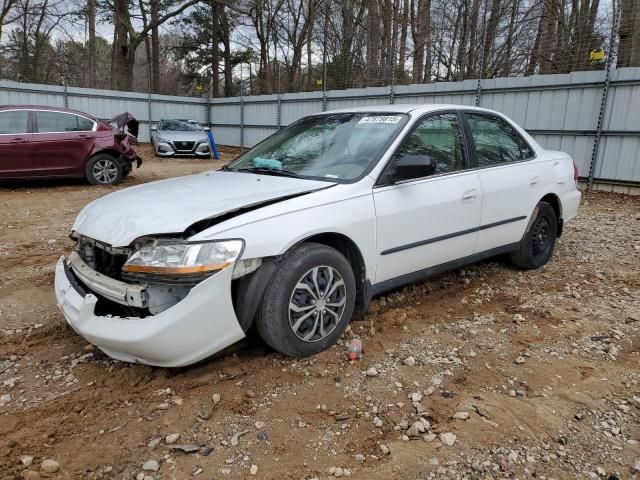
308	302
538	242
104	169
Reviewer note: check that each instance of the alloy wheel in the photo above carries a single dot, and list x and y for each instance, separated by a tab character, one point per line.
317	303
105	171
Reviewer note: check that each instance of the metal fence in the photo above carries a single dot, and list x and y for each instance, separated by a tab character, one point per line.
593	115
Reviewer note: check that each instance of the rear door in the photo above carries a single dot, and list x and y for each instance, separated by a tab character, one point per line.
15	143
62	142
510	178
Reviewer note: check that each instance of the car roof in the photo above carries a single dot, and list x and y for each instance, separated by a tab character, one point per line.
408	108
48	109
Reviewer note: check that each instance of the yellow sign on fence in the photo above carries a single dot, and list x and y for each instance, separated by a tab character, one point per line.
596	55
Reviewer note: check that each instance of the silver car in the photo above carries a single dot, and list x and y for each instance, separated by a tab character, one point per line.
179	137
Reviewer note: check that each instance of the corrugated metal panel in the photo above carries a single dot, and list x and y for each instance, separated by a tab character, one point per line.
292	111
562	110
226	135
256	135
619	159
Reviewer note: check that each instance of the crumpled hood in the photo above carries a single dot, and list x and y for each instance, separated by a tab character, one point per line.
170	206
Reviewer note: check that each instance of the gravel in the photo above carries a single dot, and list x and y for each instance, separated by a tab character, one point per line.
513	374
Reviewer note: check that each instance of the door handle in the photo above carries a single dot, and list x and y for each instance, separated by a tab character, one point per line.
535	181
84	136
18	140
469	196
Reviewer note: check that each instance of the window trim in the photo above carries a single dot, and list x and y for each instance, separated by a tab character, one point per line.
379	183
29	121
472	143
35	122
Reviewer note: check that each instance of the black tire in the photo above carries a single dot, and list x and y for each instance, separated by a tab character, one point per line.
276	322
104	169
538	242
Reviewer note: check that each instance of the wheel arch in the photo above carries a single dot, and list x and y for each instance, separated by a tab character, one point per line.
347	247
247	291
553	200
109	151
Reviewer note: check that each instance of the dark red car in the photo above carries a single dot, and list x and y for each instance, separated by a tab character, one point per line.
47	142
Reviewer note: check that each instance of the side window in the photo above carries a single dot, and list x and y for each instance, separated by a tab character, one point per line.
439	137
14	122
58	122
496	141
84	124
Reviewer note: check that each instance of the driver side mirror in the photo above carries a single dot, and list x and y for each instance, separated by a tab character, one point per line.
154	129
413	166
206	129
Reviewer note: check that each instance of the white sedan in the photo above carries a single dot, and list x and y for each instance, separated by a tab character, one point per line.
300	232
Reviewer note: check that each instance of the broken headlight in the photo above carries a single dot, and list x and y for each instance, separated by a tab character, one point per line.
169	257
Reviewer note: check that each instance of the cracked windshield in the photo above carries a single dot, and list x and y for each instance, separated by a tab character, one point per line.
339	146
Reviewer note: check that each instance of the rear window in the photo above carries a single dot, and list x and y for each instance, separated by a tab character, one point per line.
58	122
13	122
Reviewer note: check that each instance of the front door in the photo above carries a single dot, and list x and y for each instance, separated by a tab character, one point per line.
15	144
431	220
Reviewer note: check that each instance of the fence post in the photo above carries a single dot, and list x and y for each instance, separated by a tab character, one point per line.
603	102
241	110
66	96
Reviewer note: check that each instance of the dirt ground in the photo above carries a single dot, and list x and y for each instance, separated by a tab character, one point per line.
536	374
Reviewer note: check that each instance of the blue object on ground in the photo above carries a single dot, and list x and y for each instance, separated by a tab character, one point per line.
214	147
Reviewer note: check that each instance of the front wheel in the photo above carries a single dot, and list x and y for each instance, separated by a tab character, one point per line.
538	242
308	302
104	169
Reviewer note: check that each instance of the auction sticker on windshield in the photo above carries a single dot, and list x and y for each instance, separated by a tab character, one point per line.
381	119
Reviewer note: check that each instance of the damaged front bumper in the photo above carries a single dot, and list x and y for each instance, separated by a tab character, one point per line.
201	324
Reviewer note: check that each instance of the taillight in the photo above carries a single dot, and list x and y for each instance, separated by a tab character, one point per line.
576	174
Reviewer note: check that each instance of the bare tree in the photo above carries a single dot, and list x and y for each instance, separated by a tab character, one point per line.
126	38
7	13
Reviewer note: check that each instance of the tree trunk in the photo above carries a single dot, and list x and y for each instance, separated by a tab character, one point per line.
122	58
155	47
404	27
92	75
534	58
420	23
506	55
311	16
215	51
629	32
472	58
373	42
490	35
548	37
225	36
464	40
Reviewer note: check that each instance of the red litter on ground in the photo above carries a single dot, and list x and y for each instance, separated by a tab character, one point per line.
354	349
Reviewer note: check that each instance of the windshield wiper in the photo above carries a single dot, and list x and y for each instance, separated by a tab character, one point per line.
268	171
